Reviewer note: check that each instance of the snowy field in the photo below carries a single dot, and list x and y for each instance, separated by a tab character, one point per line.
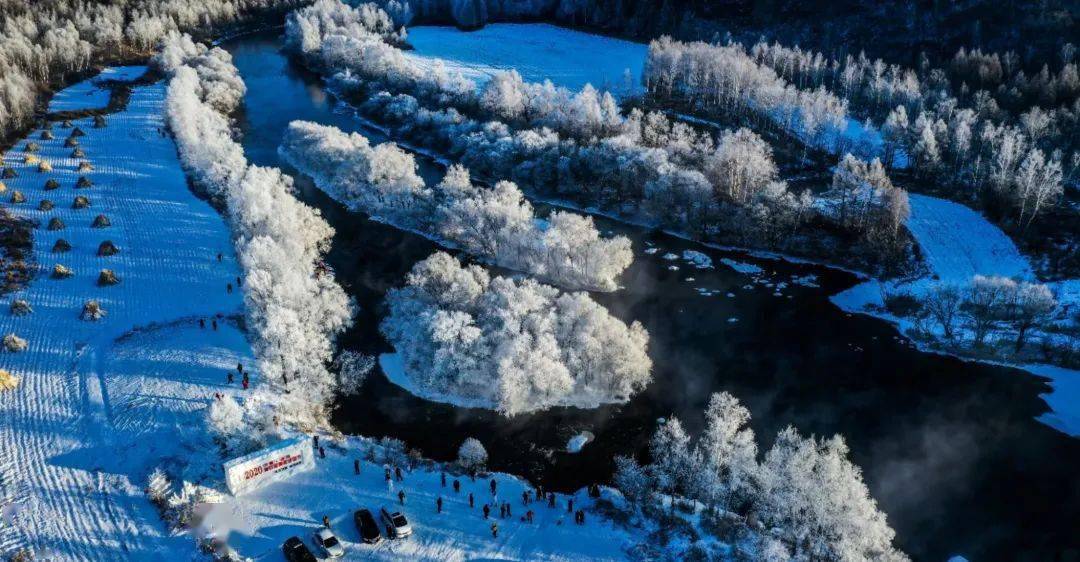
257	523
100	403
958	243
537	51
92	93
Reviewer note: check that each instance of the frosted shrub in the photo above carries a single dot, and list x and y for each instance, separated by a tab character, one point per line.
472	456
353	369
20	307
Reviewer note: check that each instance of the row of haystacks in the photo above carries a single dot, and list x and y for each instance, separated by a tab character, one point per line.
92	309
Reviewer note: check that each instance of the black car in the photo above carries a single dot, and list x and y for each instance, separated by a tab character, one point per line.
296	551
367	527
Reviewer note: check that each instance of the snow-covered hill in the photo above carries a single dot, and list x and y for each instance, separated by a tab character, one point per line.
100	403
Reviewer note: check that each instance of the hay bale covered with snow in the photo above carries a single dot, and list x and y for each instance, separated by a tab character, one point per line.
8	381
45	205
32	147
44	167
77	132
92	311
17	197
20	307
83	181
9	173
61	271
85	166
71	142
51	184
107	277
81	202
47	135
61	245
101	221
14	343
56	224
78	153
107	248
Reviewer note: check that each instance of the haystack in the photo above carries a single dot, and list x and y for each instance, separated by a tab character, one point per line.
56	224
77	132
47	135
107	248
78	153
84	182
8	381
107	277
60	271
45	205
81	202
66	124
51	184
9	173
71	142
99	121
101	221
61	245
92	311
31	160
14	343
44	167
17	197
20	307
32	147
86	166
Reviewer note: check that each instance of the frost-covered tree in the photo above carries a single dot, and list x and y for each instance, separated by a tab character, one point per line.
729	452
472	456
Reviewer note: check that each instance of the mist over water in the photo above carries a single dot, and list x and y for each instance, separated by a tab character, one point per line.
950	449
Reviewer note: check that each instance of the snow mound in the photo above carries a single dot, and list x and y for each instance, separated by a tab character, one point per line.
578	441
747	268
700	260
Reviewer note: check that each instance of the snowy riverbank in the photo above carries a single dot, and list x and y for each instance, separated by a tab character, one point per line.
958	243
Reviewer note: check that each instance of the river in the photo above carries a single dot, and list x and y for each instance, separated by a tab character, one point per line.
950	449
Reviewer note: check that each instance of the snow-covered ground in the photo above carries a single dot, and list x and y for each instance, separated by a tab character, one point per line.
537	51
958	243
258	522
100	403
92	92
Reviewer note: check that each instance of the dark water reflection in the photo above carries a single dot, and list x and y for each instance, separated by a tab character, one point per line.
949	449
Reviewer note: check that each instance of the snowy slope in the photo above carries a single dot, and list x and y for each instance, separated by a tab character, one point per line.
958	242
537	51
100	402
259	522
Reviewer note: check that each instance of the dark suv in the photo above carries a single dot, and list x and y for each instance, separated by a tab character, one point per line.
367	527
296	551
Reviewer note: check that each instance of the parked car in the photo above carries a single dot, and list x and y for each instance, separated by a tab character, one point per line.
367	527
296	551
396	524
328	543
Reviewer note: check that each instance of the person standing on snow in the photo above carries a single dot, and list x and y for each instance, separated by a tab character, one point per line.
326	521
487	511
401	496
470	499
438	505
457	485
356	466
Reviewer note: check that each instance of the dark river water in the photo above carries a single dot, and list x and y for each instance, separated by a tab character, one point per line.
949	449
